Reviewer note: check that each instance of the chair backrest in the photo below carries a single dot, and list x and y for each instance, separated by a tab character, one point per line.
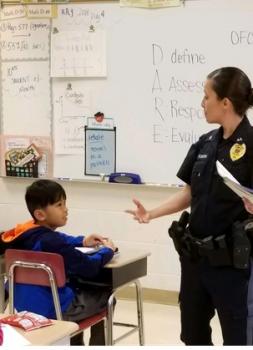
37	268
35	275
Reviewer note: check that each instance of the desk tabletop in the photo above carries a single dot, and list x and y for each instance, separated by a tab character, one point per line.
125	257
50	334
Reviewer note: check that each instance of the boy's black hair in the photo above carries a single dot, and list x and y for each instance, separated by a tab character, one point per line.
41	193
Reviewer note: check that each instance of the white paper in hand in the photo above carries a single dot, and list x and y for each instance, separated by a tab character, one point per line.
223	172
233	184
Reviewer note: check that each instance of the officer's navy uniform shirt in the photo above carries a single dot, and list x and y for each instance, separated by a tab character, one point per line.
214	206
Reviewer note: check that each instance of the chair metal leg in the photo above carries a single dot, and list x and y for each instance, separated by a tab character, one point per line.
2	294
139	311
109	321
105	330
11	289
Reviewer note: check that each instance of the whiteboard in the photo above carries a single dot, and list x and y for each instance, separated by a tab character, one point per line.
154	64
157	64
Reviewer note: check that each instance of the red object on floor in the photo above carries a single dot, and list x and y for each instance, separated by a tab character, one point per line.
1	336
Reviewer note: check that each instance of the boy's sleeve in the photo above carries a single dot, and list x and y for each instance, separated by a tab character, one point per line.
75	241
76	262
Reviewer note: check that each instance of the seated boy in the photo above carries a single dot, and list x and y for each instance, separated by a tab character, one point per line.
46	202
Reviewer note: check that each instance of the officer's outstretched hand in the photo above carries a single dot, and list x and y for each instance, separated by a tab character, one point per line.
140	214
248	205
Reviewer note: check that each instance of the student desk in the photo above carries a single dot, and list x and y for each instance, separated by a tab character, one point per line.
124	269
56	334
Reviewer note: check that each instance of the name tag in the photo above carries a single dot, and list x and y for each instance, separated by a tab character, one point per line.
202	156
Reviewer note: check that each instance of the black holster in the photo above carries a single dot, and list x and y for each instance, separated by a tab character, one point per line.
177	231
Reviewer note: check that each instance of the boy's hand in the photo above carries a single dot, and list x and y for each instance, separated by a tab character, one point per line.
109	244
93	240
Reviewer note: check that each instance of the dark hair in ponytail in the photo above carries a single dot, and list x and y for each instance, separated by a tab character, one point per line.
234	84
251	98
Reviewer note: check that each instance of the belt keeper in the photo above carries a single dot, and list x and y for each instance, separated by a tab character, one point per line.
207	243
221	241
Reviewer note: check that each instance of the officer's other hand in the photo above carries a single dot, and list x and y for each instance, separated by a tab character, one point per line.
248	205
140	213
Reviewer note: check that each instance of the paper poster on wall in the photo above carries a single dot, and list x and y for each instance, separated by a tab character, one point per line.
80	17
10	12
25	156
26	99
41	11
24	39
69	135
76	100
72	104
100	151
106	123
151	3
78	54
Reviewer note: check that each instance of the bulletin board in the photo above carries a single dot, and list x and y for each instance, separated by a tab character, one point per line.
144	69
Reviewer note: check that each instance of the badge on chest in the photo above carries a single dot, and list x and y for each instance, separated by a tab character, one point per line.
237	151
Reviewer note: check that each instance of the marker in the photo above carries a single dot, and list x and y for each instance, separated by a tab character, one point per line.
64	178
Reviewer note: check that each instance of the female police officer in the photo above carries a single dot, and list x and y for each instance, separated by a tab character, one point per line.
210	277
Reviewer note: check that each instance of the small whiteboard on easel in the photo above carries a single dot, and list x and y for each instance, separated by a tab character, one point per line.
100	151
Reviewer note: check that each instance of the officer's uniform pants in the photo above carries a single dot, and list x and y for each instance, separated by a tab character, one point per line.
205	288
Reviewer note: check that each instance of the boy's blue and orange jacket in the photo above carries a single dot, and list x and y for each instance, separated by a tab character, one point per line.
30	236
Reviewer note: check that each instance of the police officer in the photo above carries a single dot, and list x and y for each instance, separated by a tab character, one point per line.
213	281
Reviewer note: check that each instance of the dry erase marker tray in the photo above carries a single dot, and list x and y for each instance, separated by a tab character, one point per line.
27	170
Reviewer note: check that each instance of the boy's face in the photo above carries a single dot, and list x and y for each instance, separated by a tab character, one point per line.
53	216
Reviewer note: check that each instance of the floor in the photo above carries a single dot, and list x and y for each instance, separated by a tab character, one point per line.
161	323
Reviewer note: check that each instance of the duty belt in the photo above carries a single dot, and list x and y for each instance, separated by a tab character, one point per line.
229	249
215	249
